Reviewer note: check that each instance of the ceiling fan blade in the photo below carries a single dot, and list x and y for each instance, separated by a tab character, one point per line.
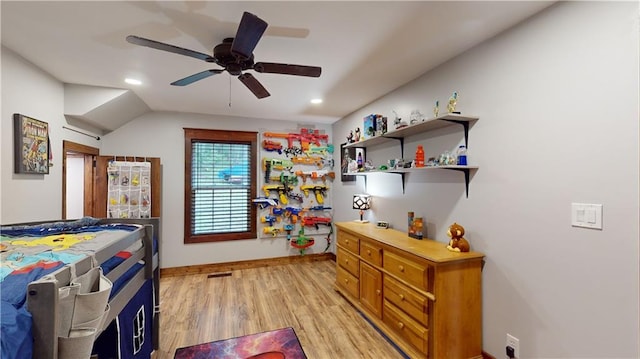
249	33
136	40
254	85
287	69
196	77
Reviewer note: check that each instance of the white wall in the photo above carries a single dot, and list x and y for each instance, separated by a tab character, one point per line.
26	198
161	135
557	99
75	186
29	91
558	104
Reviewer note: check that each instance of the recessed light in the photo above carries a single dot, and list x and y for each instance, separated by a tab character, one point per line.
316	100
133	81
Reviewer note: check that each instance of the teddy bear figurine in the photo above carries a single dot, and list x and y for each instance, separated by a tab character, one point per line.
457	243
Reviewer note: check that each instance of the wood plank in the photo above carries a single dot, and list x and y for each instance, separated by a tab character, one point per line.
300	294
248	264
426	248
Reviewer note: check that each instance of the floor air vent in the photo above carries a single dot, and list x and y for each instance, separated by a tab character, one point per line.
220	274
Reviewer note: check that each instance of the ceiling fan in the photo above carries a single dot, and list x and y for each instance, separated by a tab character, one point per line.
235	55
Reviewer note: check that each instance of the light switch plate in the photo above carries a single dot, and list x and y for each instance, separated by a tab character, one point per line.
586	215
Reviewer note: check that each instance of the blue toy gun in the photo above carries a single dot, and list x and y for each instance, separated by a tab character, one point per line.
270	219
265	202
277	211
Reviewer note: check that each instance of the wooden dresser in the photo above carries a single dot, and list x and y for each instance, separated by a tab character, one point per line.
425	298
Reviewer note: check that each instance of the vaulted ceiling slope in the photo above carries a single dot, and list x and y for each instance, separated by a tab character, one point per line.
365	49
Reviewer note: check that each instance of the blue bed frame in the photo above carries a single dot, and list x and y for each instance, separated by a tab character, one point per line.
42	294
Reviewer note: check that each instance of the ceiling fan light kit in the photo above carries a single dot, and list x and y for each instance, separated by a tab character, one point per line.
235	56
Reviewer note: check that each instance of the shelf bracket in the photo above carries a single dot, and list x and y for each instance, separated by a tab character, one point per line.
402	177
364	177
464	124
466	177
401	139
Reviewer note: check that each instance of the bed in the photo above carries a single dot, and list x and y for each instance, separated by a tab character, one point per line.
41	261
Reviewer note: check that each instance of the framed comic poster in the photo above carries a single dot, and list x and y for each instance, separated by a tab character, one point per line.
31	145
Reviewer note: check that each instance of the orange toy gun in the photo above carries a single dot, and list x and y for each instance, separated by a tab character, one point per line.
316	221
289	136
312	136
272	146
310	160
305	137
319	190
323	174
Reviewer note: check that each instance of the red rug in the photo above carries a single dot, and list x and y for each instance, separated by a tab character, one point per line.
275	344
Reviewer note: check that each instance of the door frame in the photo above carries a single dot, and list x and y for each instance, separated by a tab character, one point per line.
89	158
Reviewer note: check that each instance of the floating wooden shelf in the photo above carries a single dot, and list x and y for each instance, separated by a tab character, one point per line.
400	134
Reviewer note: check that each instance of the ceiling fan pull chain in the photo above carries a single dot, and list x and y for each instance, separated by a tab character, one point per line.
229	91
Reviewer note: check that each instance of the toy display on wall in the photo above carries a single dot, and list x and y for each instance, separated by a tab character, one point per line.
129	189
297	168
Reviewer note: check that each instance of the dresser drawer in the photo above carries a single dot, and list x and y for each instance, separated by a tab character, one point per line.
407	299
348	261
407	328
371	253
349	241
348	282
406	269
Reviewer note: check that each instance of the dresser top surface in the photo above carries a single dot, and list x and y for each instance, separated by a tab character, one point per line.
426	248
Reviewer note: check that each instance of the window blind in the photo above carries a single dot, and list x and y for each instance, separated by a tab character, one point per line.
220	187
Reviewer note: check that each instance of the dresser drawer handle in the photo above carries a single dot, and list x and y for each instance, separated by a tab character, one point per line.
369	252
346	241
378	292
400	325
346	281
346	261
401	268
401	296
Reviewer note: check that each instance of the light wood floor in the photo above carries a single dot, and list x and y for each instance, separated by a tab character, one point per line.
196	309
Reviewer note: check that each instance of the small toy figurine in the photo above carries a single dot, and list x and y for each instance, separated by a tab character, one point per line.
457	243
436	109
357	134
414	117
350	137
398	123
453	100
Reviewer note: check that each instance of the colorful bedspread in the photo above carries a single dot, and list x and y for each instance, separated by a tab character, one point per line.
33	251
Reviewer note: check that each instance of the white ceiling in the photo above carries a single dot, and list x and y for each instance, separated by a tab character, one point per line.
365	48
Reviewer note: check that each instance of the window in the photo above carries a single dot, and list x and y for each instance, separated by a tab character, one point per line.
220	183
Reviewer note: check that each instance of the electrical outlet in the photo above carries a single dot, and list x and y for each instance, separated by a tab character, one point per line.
514	343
